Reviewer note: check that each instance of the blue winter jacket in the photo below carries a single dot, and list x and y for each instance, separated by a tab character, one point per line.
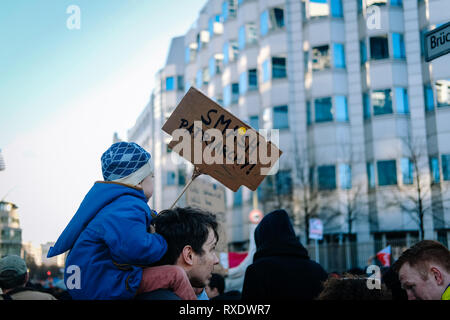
108	242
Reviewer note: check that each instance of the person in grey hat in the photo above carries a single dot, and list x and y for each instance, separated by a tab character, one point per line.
13	277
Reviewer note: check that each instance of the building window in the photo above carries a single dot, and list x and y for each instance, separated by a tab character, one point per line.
243	83
376	2
229	9
341	108
396	3
387	173
320	58
199	79
265	71
237	199
252	79
170	178
398	46
180	83
283	182
323	109
370	174
234	93
381	101
278	67
379	48
308	113
181	177
215	25
254	122
363	51
227	95
280	117
443	93
401	100
170	85
336	8
407	170
270	20
318	8
446	166
366	105
339	55
434	168
327	177
215	64
306	61
247	35
230	51
345	176
428	96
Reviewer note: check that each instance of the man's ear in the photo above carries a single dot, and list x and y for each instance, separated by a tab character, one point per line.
187	255
437	275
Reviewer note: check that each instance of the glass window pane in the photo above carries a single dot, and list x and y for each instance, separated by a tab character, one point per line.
266	72
401	100
280	117
379	47
407	170
345	176
341	109
339	55
252	79
443	93
363	51
278	67
336	8
327	177
227	96
381	101
396	2
170	84
226	49
264	23
180	83
429	99
370	174
434	167
243	83
366	105
398	46
241	38
446	166
387	173
199	79
276	18
237	200
234	93
320	58
283	182
254	122
323	109
170	178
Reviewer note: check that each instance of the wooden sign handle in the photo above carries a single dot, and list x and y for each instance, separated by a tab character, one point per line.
195	174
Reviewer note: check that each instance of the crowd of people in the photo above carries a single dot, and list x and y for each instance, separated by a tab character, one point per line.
125	250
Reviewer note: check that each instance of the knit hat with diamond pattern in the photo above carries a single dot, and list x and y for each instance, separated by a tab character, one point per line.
126	162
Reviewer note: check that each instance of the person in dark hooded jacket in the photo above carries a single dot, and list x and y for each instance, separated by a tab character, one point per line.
281	266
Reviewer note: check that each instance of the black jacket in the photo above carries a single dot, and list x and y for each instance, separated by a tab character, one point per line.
281	266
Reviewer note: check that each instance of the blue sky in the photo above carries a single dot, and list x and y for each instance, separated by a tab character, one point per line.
64	93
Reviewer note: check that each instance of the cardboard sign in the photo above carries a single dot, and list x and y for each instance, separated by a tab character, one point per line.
315	229
234	153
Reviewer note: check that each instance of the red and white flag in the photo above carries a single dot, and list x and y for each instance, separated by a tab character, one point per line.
385	256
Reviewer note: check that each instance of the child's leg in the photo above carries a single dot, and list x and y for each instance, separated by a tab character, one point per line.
167	277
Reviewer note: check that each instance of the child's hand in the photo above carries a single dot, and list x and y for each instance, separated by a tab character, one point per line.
151	229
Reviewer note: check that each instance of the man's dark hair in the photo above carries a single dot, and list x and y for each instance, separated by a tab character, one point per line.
423	252
11	280
352	287
217	281
184	226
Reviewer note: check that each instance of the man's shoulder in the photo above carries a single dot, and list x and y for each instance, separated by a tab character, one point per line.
160	294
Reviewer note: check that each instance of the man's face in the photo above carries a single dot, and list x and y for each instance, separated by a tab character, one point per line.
203	265
416	287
